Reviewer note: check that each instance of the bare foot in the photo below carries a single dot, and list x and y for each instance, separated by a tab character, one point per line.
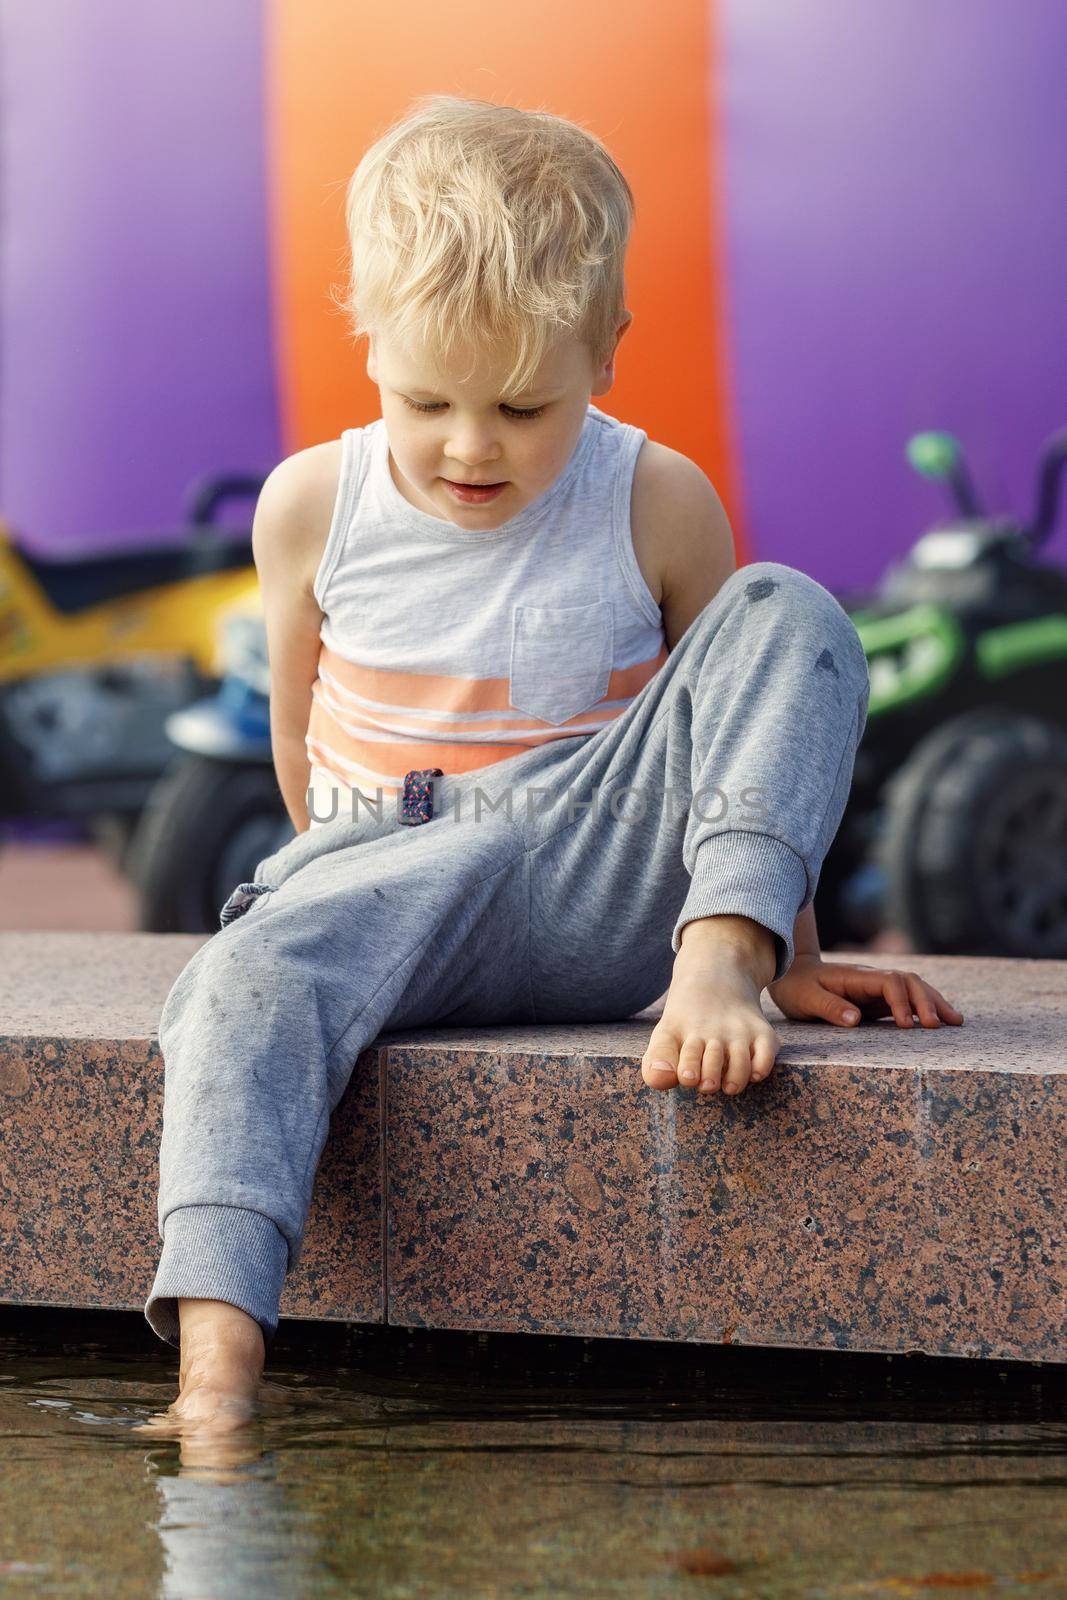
713	1032
222	1357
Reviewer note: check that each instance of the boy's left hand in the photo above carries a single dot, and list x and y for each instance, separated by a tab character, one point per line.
817	990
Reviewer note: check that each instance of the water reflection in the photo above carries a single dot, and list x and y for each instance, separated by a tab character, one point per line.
446	1465
233	1530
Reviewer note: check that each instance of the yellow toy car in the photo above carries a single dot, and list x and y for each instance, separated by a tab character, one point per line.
97	650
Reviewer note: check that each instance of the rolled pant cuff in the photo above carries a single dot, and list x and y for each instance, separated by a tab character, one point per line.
743	874
216	1252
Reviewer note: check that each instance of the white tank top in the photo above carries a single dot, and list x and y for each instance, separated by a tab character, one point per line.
455	648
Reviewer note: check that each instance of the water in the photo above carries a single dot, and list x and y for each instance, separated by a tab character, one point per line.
401	1464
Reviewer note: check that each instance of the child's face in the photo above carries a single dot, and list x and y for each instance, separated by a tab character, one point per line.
471	433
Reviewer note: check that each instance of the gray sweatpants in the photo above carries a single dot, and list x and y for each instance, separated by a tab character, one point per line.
549	887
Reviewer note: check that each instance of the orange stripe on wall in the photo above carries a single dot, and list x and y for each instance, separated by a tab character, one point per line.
636	74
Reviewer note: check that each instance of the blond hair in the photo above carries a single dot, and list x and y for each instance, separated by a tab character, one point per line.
484	223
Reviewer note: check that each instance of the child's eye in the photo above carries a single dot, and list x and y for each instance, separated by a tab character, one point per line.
509	411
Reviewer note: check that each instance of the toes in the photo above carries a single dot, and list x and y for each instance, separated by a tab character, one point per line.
764	1051
711	1073
658	1074
690	1059
740	1068
659	1064
709	1065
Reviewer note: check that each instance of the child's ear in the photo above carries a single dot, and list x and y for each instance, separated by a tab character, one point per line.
606	376
372	360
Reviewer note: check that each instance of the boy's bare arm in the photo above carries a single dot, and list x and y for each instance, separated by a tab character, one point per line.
288	537
694	543
695	554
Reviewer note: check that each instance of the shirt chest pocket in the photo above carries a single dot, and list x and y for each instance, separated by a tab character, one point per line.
561	658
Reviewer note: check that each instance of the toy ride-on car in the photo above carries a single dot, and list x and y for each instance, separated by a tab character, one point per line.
96	650
217	810
955	832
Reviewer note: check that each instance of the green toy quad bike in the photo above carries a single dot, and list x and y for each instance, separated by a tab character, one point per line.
956	827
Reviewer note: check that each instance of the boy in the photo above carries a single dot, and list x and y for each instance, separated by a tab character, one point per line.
499	587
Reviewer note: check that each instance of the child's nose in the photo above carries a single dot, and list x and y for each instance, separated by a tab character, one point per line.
472	450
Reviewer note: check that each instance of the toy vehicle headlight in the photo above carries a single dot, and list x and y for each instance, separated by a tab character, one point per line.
242	652
945	549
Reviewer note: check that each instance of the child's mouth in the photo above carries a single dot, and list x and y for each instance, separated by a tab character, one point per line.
474	493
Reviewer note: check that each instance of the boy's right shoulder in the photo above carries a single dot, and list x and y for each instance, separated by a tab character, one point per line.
295	509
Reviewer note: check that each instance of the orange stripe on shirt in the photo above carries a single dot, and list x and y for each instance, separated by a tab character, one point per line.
351	717
333	735
405	754
427	692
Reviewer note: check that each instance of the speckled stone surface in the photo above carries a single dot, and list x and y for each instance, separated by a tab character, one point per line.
885	1189
81	1113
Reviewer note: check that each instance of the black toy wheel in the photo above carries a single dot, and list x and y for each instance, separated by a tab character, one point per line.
206	827
974	848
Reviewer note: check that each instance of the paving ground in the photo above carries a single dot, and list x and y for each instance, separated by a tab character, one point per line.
48	885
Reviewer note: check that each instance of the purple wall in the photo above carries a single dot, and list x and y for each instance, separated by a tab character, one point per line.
896	221
134	305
